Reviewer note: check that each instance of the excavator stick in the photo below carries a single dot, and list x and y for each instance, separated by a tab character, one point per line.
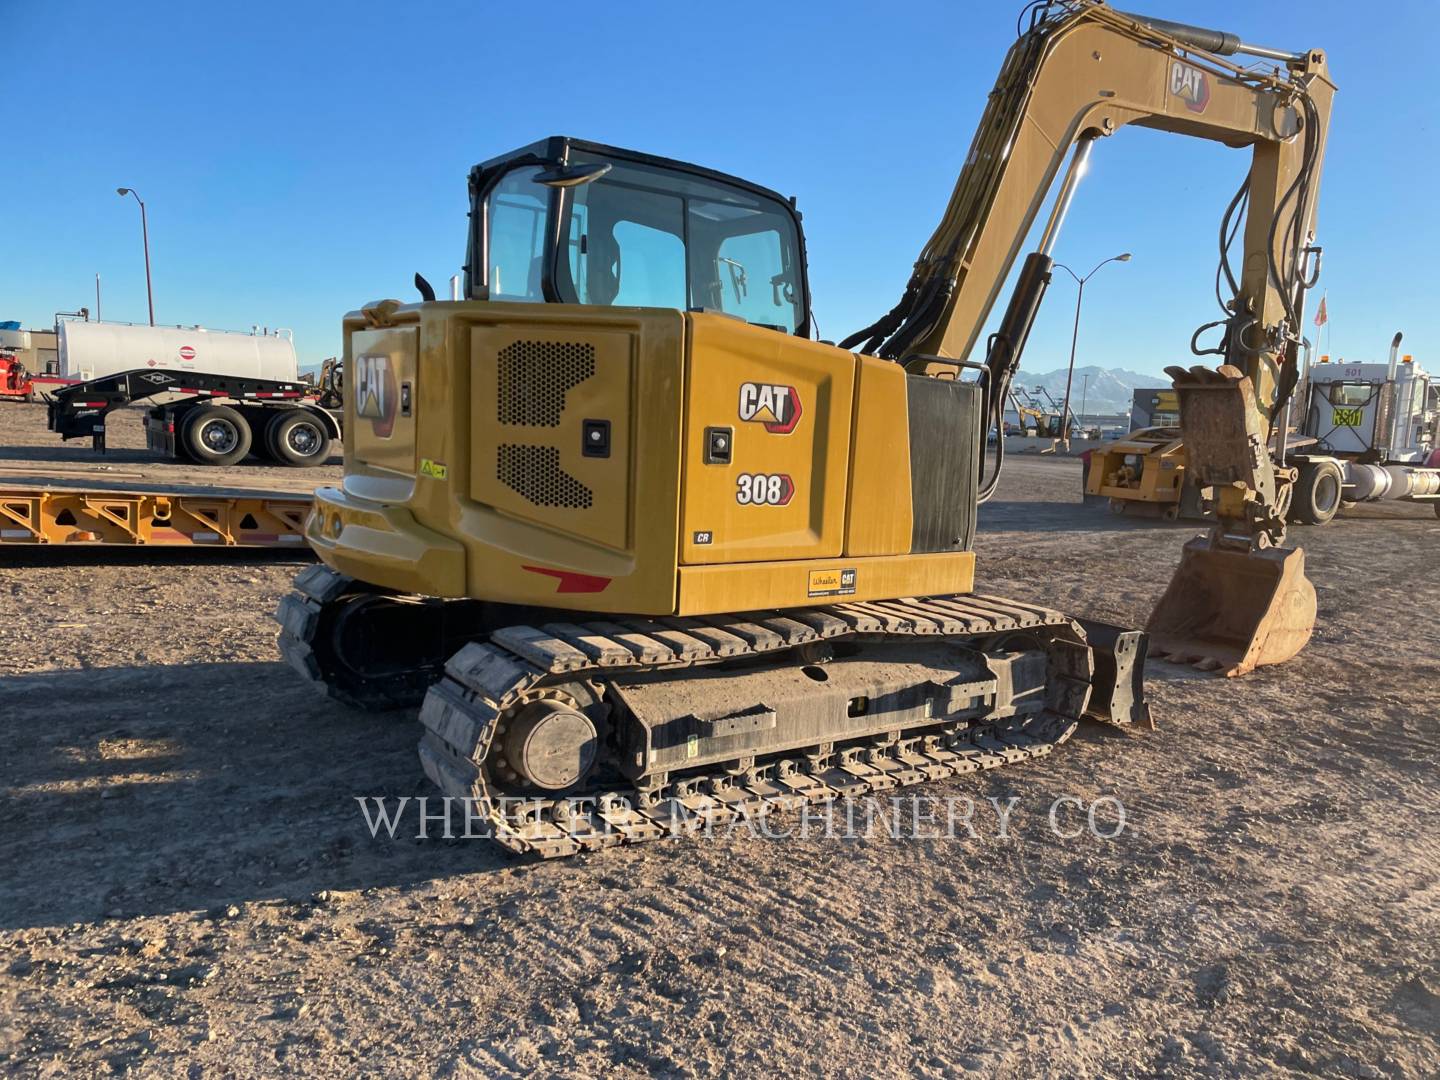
1237	601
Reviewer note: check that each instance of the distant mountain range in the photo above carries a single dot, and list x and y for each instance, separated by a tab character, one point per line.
1109	392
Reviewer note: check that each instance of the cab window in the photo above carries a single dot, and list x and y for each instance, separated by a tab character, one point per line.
517	212
653	237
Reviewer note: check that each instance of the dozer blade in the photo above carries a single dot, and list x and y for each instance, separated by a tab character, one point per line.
1232	611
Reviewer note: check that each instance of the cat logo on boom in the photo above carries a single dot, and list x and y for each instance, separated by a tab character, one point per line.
1190	85
775	406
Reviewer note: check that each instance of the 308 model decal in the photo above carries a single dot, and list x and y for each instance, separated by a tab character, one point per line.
764	489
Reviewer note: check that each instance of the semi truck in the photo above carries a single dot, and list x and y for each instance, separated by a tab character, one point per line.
1370	433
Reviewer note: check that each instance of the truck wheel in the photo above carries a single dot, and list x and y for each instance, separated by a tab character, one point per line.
217	435
1317	493
297	438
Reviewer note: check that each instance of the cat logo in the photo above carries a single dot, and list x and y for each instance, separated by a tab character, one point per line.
777	407
375	393
1190	85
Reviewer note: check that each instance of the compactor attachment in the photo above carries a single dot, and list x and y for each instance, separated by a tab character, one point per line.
1231	610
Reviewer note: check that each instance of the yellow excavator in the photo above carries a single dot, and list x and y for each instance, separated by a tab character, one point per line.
650	557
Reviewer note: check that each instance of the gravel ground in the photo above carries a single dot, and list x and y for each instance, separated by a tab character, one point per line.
187	886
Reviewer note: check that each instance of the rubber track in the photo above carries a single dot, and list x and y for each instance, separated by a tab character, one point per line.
483	681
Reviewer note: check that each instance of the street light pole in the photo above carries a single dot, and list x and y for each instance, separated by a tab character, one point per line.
1075	335
145	238
1084	396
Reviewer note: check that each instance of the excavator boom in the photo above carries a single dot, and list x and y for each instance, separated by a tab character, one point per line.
1080	73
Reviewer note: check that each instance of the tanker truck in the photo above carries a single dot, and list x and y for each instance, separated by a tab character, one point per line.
92	350
219	396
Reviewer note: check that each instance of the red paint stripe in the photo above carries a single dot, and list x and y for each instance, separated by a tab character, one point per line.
572	582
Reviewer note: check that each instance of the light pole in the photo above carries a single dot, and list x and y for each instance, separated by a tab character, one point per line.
1084	397
1075	335
145	237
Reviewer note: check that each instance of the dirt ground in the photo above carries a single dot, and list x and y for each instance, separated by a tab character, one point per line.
187	886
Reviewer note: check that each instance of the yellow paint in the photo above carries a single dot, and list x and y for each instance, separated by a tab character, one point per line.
586	497
725	354
33	516
467	533
879	518
709	590
384	361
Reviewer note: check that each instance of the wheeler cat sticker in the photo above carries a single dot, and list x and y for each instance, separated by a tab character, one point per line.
775	406
832	582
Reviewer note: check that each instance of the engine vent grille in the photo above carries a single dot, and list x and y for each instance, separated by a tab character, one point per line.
535	473
535	376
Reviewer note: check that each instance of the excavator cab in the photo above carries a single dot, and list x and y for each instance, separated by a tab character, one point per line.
573	222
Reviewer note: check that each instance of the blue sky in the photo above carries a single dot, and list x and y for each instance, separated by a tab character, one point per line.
299	159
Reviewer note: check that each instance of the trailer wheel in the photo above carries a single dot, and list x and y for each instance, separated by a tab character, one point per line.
1317	493
217	435
297	438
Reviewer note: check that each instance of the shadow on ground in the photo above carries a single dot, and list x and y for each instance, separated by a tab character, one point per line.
146	790
1030	516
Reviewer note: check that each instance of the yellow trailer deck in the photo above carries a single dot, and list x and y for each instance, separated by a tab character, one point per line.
42	514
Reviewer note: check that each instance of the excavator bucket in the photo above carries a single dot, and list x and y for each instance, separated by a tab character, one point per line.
1232	611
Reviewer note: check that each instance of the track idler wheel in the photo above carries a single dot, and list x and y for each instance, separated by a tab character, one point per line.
1231	611
550	746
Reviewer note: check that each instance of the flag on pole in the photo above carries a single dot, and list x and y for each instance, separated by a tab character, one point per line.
1321	316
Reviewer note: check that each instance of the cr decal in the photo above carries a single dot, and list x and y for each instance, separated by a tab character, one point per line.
1190	85
764	489
775	406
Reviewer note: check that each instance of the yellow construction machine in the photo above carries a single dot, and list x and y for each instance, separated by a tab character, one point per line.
1143	471
653	557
